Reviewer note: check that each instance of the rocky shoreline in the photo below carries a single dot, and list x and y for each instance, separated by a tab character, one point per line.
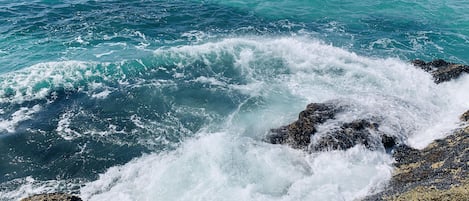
299	134
53	197
438	172
442	70
441	170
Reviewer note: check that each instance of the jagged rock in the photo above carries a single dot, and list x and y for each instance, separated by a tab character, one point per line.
53	197
441	70
298	134
438	172
465	117
351	134
389	142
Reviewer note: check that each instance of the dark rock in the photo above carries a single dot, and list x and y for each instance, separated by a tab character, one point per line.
439	63
298	134
438	172
465	116
404	154
388	142
422	64
53	197
441	70
350	134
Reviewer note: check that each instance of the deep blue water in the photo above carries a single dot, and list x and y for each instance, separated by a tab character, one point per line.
90	85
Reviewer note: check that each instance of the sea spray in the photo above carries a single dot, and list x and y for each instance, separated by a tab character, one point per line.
99	98
219	166
262	79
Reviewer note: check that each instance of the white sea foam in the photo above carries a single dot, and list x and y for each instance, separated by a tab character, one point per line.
234	164
104	54
63	127
22	114
442	125
101	95
195	35
280	76
36	82
404	96
209	80
219	166
30	186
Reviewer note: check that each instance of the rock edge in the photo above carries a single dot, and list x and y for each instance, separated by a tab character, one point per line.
53	197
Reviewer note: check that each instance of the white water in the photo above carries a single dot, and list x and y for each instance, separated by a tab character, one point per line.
231	162
219	166
24	113
234	164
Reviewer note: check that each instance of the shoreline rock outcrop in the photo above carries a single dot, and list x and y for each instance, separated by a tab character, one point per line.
438	172
53	197
299	133
442	70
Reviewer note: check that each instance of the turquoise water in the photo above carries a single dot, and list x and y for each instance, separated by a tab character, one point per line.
171	100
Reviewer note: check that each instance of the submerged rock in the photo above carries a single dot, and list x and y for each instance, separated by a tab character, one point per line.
441	70
438	172
53	197
298	134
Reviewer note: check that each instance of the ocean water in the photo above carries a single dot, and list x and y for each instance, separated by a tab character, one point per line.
172	100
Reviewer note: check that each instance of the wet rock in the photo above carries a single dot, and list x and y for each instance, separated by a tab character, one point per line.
298	134
53	197
465	117
438	172
389	142
442	70
350	134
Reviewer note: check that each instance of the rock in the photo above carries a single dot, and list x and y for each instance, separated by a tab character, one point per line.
353	133
455	193
389	142
441	70
53	197
422	64
465	117
298	134
438	172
